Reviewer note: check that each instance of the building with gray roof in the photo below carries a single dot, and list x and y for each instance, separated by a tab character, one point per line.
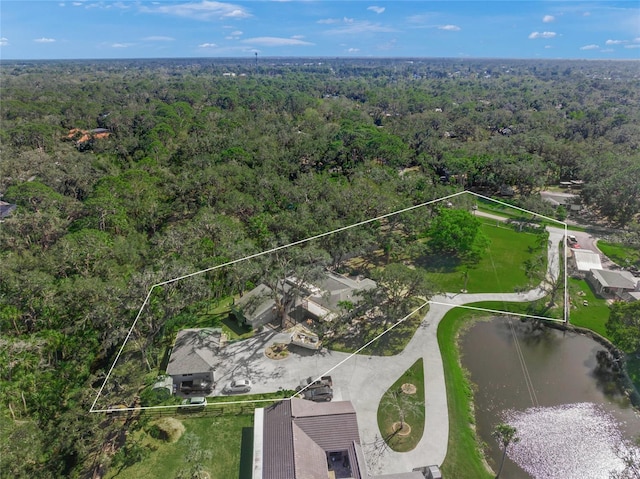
616	283
317	301
195	356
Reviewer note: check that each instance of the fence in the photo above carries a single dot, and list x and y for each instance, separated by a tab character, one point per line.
208	411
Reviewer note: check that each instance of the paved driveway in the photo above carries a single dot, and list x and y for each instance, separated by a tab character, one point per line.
364	379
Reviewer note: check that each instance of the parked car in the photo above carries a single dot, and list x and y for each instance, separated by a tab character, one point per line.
319	394
310	383
238	386
196	403
196	385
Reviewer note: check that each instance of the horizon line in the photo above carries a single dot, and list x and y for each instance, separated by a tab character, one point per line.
251	58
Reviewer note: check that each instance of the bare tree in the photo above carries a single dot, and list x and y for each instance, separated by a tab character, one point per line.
289	273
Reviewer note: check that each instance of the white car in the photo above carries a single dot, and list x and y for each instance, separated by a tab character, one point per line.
195	403
238	386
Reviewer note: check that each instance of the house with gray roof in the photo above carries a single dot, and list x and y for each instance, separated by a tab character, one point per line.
300	439
319	300
323	301
613	283
194	356
256	308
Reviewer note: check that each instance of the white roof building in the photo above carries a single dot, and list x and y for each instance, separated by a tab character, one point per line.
586	260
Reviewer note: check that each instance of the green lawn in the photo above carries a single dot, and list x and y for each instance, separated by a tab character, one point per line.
620	254
220	436
501	268
396	405
593	316
464	456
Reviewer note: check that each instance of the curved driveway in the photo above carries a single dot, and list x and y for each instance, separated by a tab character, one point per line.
364	379
432	448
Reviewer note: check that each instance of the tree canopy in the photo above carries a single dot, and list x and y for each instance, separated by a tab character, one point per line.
198	168
457	232
623	325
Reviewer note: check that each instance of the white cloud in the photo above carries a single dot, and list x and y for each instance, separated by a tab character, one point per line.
329	21
158	38
636	40
635	45
204	10
450	28
534	35
77	4
590	47
44	40
615	42
297	37
61	4
276	42
233	35
548	19
207	45
4	42
607	50
353	27
121	45
353	50
376	9
421	18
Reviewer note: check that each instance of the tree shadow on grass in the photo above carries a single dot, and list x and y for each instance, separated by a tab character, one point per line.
230	322
389	344
438	263
246	454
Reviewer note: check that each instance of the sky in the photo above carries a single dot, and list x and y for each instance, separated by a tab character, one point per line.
82	29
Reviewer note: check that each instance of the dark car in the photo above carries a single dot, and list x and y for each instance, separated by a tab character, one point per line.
323	393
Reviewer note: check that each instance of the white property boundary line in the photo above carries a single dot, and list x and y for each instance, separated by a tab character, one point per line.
306	240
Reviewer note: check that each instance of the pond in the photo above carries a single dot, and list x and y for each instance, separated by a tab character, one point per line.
569	413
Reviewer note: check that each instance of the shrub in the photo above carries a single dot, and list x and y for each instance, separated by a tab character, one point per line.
167	429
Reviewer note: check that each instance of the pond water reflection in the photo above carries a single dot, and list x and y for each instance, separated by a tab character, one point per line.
570	414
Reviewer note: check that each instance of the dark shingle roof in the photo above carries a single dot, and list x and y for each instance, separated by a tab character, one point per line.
278	442
298	433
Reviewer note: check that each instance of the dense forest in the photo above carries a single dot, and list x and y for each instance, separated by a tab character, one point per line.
127	173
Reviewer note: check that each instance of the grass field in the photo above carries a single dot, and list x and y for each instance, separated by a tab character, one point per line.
594	315
214	443
396	405
501	269
622	255
464	457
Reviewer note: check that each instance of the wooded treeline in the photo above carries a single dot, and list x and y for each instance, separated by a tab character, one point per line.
207	161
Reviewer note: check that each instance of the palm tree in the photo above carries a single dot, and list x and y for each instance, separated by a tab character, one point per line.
505	435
